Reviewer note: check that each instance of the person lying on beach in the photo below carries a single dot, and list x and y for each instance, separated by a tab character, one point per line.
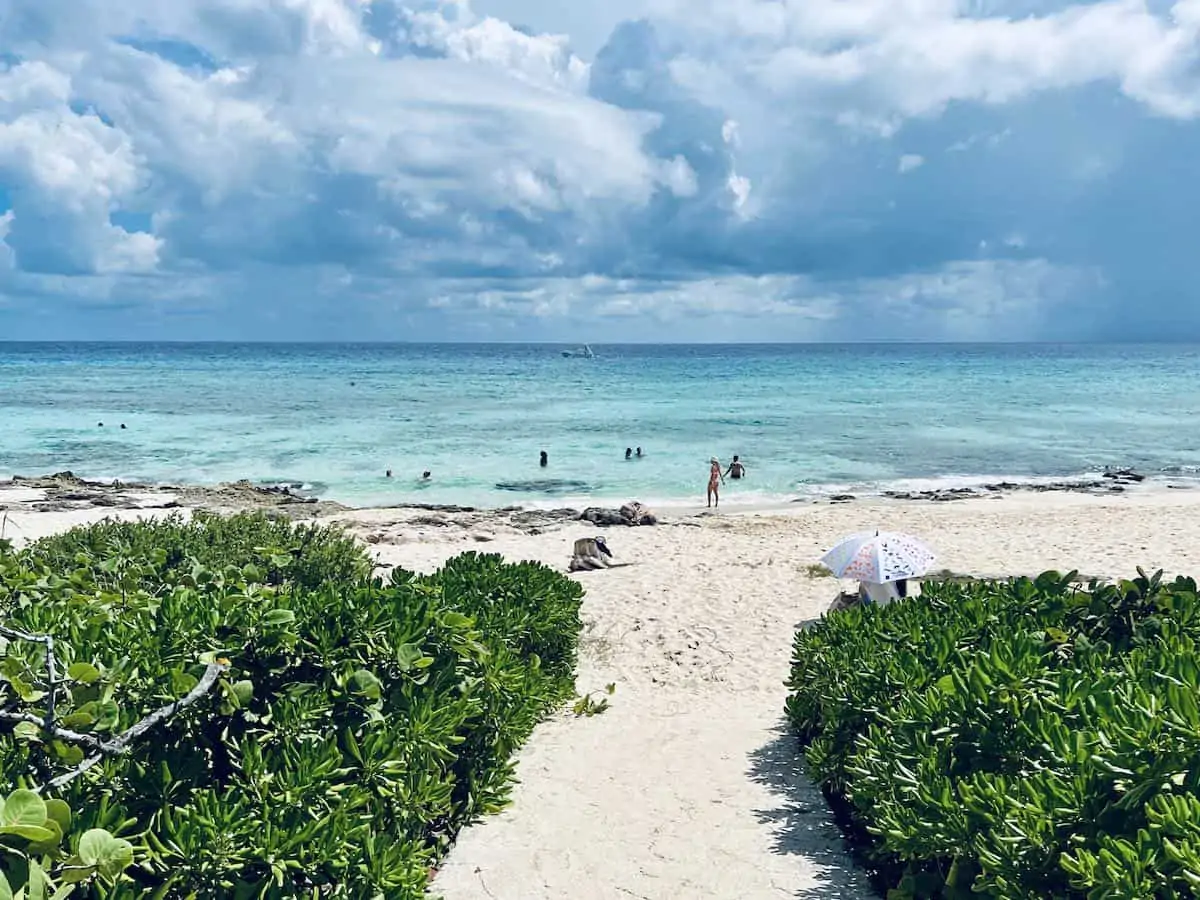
715	480
736	470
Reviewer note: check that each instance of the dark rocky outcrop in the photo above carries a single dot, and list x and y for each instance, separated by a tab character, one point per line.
631	514
1111	481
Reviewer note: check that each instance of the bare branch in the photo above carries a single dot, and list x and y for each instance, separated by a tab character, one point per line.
52	678
51	667
65	734
117	745
121	743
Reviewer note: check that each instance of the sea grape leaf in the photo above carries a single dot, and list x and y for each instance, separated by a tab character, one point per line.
23	807
83	672
27	731
367	684
58	811
110	855
279	617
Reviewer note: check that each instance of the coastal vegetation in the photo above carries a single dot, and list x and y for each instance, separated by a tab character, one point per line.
1018	739
240	708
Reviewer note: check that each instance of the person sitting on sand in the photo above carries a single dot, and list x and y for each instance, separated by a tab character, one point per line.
883	594
871	594
589	553
715	480
736	470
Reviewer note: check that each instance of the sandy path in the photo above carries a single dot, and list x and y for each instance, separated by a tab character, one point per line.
687	786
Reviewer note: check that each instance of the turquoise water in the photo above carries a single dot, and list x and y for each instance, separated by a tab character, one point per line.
805	418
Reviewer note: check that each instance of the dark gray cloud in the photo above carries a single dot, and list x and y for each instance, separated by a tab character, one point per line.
744	170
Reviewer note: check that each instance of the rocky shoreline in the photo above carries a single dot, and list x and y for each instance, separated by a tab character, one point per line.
65	491
1112	481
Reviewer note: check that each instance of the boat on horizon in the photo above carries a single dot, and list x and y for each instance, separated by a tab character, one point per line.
584	352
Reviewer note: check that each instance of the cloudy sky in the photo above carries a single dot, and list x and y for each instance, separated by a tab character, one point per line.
599	170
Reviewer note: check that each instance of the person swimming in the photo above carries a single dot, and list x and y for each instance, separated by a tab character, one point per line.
426	475
715	479
629	453
387	474
544	460
736	470
639	452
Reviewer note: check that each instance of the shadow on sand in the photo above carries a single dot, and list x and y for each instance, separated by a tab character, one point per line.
803	823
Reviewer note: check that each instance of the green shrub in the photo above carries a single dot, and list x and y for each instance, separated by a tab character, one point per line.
1025	739
304	555
356	724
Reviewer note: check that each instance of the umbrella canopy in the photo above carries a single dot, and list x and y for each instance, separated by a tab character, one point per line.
879	557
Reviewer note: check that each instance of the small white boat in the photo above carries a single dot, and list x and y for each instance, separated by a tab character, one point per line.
584	352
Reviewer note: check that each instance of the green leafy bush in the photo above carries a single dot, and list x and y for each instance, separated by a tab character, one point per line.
353	724
1019	740
304	555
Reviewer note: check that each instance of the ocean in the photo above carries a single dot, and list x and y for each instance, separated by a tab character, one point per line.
807	420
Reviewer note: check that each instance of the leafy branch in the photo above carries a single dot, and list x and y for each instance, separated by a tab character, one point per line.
117	745
122	742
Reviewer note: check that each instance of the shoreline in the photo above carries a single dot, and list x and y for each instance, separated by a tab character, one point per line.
64	491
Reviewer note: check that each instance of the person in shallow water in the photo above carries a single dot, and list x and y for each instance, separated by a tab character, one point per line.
544	460
629	453
426	475
715	479
736	470
639	452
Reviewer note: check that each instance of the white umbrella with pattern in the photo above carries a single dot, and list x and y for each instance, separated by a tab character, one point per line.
879	557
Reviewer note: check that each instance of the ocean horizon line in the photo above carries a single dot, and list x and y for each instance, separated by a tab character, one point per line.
907	342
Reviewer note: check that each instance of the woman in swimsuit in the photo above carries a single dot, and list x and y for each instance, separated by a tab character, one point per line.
715	479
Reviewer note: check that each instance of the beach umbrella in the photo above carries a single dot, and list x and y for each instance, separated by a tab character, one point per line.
879	557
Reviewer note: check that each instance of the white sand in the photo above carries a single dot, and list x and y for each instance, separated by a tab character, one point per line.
688	787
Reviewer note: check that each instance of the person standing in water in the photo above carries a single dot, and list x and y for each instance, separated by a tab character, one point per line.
629	453
544	460
736	470
715	480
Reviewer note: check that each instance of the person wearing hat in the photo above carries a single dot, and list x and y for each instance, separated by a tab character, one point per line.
715	480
